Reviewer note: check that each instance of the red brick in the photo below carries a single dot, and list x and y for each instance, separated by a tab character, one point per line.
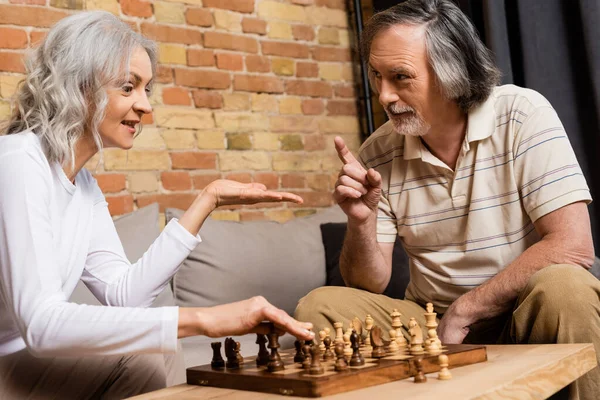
136	8
313	107
201	181
269	179
164	74
202	79
307	70
246	215
344	90
200	58
207	99
12	62
314	142
176	96
285	49
31	2
219	40
308	88
176	180
147	119
256	63
294	181
313	199
30	16
254	25
242	177
37	36
119	205
339	4
341	107
111	183
182	201
303	32
193	160
171	34
11	38
244	6
232	62
199	17
251	83
321	53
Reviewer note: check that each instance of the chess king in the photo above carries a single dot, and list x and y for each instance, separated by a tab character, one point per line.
480	184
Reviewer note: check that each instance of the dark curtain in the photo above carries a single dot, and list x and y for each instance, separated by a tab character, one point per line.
553	47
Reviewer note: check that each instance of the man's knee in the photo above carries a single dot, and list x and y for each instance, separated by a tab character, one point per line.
315	301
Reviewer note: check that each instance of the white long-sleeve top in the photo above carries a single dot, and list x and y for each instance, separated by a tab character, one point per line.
53	233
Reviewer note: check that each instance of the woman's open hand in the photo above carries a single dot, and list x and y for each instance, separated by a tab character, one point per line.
226	192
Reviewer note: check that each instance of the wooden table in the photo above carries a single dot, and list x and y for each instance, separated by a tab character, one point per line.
512	371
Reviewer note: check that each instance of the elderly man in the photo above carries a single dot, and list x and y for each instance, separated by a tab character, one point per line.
482	187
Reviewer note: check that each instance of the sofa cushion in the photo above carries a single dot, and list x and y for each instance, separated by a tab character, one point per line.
333	239
238	260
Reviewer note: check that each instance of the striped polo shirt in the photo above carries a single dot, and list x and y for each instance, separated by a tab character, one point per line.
461	227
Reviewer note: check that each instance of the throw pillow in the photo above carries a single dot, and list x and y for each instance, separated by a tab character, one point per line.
333	239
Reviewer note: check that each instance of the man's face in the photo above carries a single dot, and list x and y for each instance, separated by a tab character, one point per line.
404	80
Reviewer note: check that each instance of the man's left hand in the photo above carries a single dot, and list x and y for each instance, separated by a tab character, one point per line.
454	326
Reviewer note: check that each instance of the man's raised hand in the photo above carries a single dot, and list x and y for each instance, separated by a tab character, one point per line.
357	191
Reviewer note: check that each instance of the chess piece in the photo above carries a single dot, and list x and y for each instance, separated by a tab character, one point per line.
262	358
357	359
416	337
393	347
357	326
315	366
307	357
368	326
340	362
377	343
322	336
275	363
238	354
217	360
419	376
231	354
347	346
339	333
328	355
299	357
397	325
433	345
444	372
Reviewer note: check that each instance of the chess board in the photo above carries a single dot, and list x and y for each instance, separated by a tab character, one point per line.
295	381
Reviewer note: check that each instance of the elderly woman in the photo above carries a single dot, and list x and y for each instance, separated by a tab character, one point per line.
87	88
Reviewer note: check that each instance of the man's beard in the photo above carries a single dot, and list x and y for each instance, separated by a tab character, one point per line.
406	121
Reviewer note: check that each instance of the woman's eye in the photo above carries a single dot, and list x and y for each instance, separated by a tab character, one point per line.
127	88
148	91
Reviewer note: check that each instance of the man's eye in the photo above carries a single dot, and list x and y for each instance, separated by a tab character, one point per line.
401	77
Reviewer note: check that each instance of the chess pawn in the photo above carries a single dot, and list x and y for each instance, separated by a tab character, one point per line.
357	359
263	354
322	336
299	356
217	360
347	346
340	363
315	366
416	337
393	346
307	357
275	363
328	355
339	332
444	372
419	376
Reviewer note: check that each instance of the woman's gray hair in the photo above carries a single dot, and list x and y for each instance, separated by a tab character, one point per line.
64	92
463	66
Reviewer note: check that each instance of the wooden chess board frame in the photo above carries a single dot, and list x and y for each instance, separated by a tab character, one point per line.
294	381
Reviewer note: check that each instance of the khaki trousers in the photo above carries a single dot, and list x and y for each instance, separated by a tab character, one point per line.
561	304
23	376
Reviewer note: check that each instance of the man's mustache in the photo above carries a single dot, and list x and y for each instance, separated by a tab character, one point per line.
395	109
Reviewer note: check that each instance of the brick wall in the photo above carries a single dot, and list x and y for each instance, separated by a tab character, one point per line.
252	90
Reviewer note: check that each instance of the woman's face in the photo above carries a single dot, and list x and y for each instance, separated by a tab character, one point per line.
127	103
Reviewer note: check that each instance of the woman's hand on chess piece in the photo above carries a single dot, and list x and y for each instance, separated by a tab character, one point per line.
240	318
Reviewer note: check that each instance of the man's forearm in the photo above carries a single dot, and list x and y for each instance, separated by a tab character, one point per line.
361	263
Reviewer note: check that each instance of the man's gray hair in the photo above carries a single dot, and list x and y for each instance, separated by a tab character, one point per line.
463	66
64	92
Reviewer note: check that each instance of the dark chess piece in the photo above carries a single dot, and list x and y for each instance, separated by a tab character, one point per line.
238	348
340	363
307	357
315	366
217	360
328	355
357	359
419	376
299	357
377	343
230	353
263	354
275	363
